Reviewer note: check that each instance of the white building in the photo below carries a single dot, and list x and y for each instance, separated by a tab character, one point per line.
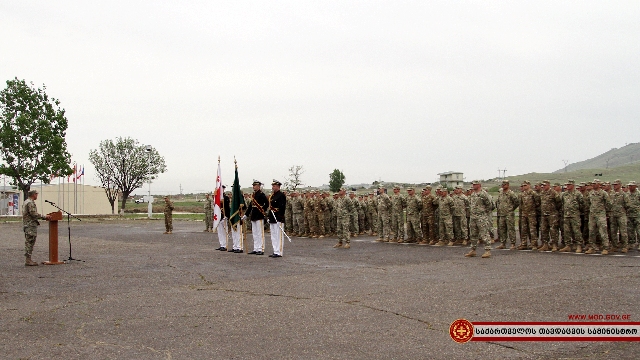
451	178
76	199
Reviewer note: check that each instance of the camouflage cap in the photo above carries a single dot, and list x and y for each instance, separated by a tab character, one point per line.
607	183
545	182
343	189
458	187
410	189
526	182
381	186
428	187
632	183
32	192
397	187
583	184
557	184
475	182
596	181
505	181
570	182
617	182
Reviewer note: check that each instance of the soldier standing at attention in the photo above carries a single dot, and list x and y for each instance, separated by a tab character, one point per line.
288	215
276	216
446	207
384	215
506	206
320	208
361	215
479	206
207	214
633	215
549	204
372	215
353	213
341	207
256	211
414	206
459	215
168	215
619	204
296	209
429	205
572	203
398	203
599	201
30	225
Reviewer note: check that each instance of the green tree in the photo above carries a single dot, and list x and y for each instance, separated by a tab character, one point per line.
32	136
336	180
125	165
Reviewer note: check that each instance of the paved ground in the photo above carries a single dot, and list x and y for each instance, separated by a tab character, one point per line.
140	294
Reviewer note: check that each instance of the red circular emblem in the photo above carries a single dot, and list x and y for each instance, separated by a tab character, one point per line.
461	330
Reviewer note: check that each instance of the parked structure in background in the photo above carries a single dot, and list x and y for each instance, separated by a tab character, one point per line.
451	179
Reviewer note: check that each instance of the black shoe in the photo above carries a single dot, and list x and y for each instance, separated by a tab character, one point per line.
231	250
275	255
222	248
259	253
238	251
253	252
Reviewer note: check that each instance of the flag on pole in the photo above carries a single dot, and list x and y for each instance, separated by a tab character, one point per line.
237	201
80	173
217	199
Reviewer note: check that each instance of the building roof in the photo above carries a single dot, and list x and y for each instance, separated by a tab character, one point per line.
450	173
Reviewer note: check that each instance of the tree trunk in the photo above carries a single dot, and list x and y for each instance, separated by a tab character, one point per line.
25	191
125	196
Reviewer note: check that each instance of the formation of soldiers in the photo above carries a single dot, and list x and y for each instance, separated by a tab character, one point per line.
570	217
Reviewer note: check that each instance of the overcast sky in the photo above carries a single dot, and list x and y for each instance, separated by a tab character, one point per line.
391	90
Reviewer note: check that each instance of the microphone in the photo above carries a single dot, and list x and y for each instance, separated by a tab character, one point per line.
47	201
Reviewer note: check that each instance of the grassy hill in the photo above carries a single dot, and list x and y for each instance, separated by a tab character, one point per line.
624	173
626	155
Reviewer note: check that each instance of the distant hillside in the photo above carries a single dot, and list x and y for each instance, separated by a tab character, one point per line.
626	155
624	173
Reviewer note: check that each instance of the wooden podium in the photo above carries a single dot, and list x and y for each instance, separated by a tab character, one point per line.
53	238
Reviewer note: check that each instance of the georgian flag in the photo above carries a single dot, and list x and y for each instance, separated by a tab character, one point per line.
217	200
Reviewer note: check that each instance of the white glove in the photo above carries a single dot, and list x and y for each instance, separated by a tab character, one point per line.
243	217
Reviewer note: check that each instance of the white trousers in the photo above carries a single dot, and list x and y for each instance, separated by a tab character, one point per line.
236	235
277	239
222	233
257	230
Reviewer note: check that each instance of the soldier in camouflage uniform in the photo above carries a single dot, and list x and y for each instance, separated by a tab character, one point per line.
479	206
633	215
327	214
309	214
572	204
549	204
30	223
414	206
168	215
459	215
208	214
557	187
398	204
342	206
529	203
620	202
288	212
506	205
361	215
334	215
446	207
429	206
372	214
353	213
320	207
296	210
599	202
384	215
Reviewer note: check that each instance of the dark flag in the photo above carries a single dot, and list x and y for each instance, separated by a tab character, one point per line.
237	201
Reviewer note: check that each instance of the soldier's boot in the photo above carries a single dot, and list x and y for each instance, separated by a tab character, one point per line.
392	240
567	248
347	246
613	249
379	240
624	250
374	234
512	247
450	243
170	232
487	254
400	241
471	253
29	262
441	243
590	251
544	247
166	232
465	242
554	248
433	242
321	237
523	247
423	242
500	247
579	249
604	252
205	230
338	245
458	242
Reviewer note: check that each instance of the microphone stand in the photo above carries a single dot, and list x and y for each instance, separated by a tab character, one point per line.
69	216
